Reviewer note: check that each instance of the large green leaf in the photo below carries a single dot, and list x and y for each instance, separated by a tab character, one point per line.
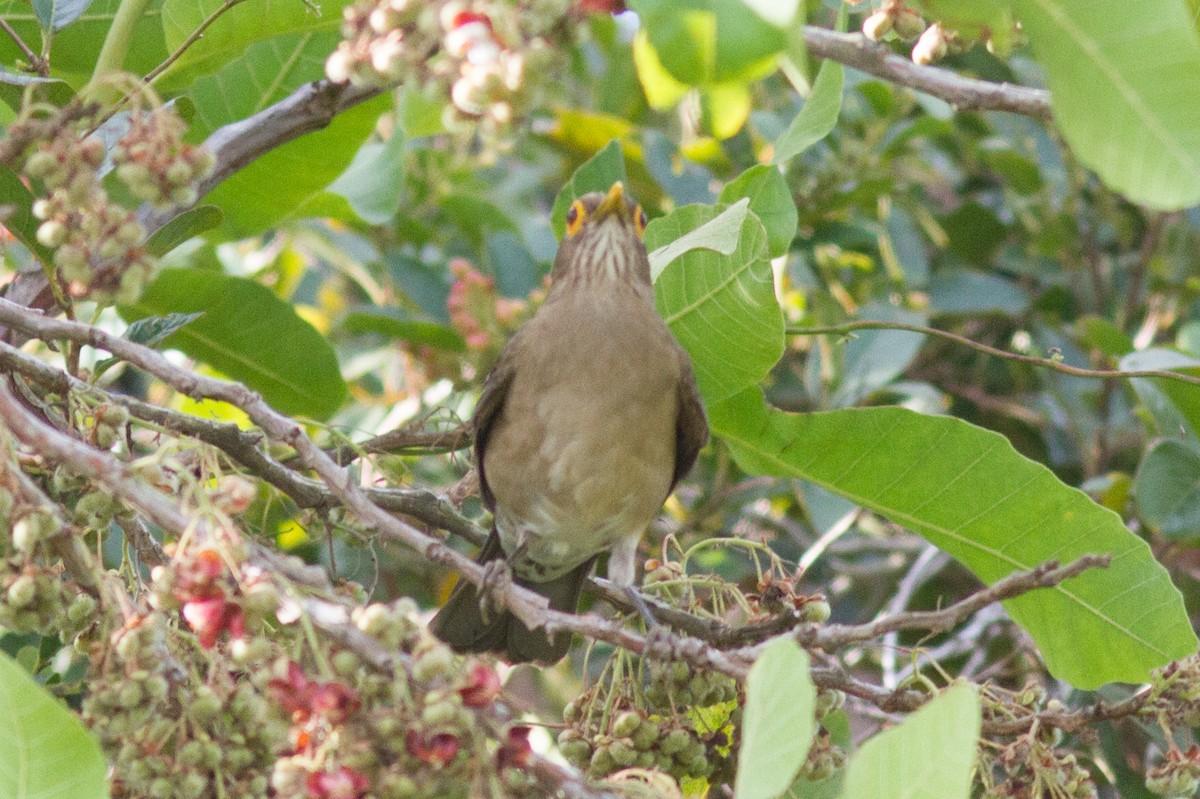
236	30
777	730
722	308
1124	78
250	335
969	493
770	200
817	116
720	234
45	753
930	755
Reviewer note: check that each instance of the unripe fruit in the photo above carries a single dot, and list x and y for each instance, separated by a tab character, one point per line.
626	724
22	592
52	233
878	25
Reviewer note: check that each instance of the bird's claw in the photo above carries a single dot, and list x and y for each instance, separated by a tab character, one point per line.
658	641
497	577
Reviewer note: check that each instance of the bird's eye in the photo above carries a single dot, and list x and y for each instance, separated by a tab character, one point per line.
575	217
639	220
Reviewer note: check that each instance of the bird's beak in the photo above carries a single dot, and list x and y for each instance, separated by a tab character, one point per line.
613	203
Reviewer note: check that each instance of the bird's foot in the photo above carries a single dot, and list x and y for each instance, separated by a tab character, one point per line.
497	577
659	643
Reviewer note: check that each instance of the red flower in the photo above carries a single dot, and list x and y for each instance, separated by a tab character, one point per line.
515	750
344	783
601	6
437	750
334	701
211	616
483	685
304	698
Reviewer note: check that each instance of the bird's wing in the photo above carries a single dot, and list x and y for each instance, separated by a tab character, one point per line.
488	410
691	425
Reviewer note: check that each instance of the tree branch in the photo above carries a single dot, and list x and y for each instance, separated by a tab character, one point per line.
856	50
1047	363
1046	575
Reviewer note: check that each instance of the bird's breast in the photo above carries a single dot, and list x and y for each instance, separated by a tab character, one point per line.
584	449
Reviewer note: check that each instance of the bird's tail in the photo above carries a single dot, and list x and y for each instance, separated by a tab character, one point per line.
461	624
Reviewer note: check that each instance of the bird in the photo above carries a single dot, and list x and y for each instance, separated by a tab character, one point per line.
587	421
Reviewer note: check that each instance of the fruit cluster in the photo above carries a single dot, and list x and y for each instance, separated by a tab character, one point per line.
97	244
492	60
681	723
156	164
933	42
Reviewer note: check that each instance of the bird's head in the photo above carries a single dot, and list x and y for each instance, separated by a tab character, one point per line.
603	240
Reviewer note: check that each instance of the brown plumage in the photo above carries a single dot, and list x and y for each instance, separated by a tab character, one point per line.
586	422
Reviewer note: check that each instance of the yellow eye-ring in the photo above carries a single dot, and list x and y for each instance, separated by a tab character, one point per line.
575	216
639	221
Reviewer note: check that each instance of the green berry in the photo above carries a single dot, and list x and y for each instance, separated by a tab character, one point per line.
22	592
676	741
622	752
647	734
626	724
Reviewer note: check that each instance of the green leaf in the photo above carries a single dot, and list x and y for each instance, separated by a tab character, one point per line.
972	293
778	725
598	173
77	45
153	330
930	755
1123	79
661	88
719	234
770	200
258	197
969	493
874	358
189	224
1174	406
721	308
395	323
1167	487
250	335
234	32
817	116
58	14
372	181
45	752
149	331
20	221
704	42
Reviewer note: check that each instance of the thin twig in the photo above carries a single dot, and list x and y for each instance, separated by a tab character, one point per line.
1046	575
1048	363
36	62
192	38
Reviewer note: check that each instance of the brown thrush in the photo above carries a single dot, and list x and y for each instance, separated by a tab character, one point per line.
587	421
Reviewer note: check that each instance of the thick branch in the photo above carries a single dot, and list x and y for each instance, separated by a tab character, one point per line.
856	50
